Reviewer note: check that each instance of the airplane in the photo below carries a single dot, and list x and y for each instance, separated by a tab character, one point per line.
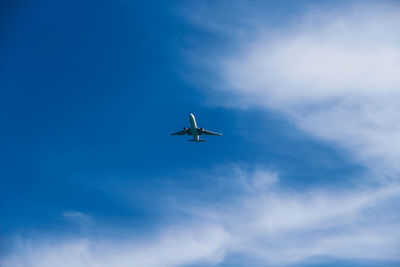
195	131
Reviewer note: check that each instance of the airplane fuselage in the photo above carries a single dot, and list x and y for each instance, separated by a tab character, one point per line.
194	131
193	128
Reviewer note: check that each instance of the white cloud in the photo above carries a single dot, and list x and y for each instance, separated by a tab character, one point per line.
79	218
266	223
174	247
334	72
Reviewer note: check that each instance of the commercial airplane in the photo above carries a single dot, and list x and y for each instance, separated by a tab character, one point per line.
195	131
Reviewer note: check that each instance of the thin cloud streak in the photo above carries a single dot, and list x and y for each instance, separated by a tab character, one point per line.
78	218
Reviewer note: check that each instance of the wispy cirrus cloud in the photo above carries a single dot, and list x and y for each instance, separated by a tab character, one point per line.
77	217
333	71
262	221
174	247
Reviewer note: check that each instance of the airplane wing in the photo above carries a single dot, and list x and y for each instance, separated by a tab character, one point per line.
205	132
183	132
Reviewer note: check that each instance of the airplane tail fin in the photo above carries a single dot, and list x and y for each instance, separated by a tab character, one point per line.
200	140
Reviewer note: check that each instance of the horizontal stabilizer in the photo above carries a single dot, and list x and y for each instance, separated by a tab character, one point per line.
200	140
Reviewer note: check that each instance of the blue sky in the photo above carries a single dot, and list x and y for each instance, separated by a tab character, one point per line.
305	93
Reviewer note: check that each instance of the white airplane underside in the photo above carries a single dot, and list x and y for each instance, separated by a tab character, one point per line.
195	131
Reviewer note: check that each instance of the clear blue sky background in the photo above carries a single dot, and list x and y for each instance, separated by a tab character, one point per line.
89	92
